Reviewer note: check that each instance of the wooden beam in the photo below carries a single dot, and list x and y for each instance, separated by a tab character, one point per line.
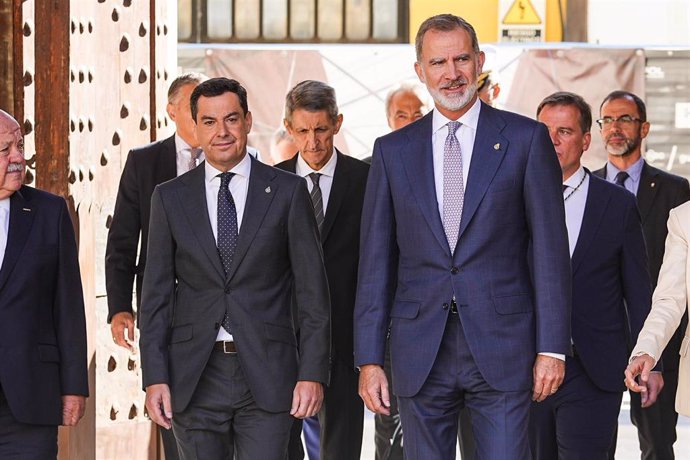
576	21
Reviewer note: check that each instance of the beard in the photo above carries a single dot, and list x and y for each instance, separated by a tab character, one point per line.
629	145
456	102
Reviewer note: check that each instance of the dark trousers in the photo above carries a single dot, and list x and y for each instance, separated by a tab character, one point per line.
169	444
388	435
341	418
21	441
430	418
465	435
223	421
577	422
656	425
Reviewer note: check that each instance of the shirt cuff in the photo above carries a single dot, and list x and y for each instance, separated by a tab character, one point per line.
554	355
640	353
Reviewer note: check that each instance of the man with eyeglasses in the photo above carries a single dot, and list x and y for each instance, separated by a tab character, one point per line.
623	123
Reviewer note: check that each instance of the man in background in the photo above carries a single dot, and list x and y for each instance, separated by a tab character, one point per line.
624	125
336	184
488	87
43	362
145	168
611	296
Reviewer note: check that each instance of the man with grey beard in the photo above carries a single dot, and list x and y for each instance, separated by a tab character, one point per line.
623	123
464	253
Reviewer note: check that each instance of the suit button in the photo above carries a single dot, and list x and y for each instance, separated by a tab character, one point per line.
445	306
228	290
454	270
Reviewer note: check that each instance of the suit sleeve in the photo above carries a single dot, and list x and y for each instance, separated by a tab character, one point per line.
311	288
550	255
123	241
158	295
378	262
68	311
637	287
669	301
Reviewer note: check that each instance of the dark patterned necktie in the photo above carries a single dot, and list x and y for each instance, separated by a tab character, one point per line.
621	177
317	199
227	230
194	155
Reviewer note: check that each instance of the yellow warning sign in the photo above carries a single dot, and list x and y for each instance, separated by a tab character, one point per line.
521	12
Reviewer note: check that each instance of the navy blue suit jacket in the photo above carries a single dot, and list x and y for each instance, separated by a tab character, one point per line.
611	288
513	216
42	325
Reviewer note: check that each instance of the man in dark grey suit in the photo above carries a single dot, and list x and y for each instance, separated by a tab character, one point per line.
624	125
228	243
336	183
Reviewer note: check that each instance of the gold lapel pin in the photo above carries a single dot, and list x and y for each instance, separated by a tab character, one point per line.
497	146
268	189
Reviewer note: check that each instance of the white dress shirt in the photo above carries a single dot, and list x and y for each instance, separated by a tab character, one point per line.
575	200
465	135
325	181
4	226
239	186
184	155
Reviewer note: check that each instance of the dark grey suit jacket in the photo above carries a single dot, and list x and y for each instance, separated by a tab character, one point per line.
186	292
145	168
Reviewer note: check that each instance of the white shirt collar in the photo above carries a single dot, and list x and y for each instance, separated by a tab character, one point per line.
5	204
243	168
303	169
180	144
575	179
469	118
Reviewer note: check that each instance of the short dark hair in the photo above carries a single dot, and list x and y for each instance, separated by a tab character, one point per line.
216	87
312	96
185	79
570	99
620	94
444	23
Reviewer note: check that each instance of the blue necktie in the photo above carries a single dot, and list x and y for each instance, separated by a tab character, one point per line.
621	177
227	230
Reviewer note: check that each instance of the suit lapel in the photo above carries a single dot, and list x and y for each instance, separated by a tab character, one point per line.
418	162
262	189
193	199
489	149
338	193
21	218
646	191
595	206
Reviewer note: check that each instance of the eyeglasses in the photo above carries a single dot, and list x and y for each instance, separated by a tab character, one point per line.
625	120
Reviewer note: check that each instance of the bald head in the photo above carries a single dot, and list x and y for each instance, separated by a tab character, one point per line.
403	106
12	163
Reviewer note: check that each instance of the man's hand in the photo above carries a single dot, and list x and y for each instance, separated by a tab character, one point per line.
306	399
548	375
373	389
72	409
158	404
120	322
650	383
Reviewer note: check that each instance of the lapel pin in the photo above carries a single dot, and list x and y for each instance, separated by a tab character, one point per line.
268	189
497	146
652	184
26	209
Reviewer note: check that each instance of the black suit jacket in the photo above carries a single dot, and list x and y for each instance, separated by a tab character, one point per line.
340	241
659	192
610	277
42	325
186	292
145	168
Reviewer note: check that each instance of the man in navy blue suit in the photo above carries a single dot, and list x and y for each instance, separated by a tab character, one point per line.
464	252
43	362
611	296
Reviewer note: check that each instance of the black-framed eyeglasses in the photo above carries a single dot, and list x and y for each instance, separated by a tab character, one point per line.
625	120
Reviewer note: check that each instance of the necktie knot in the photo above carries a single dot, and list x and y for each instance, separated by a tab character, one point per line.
621	177
225	179
315	178
453	126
